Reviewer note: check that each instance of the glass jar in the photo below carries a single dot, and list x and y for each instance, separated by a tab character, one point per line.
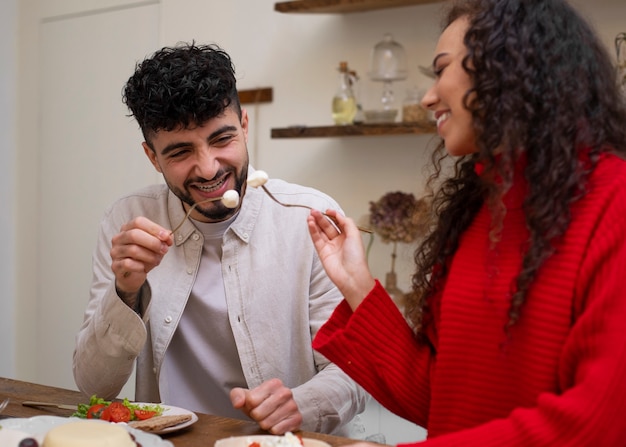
412	110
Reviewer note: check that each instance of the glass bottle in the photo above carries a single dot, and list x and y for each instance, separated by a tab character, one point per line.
359	117
344	102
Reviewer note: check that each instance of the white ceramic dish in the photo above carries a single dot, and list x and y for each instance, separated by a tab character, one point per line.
169	410
38	426
245	441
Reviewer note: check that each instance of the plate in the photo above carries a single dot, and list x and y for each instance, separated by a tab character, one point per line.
245	441
169	410
38	426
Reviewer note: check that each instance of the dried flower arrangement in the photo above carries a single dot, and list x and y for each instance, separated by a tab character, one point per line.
398	217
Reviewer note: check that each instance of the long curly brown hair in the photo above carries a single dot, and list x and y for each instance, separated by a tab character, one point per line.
545	88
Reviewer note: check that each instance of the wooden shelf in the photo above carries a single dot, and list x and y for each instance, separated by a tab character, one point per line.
348	6
256	95
344	6
355	130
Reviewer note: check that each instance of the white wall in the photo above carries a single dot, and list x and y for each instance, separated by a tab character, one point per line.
8	145
76	152
90	154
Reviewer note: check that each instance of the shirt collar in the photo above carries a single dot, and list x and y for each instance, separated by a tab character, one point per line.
243	225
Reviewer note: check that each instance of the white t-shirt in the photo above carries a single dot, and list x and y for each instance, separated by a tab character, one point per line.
201	364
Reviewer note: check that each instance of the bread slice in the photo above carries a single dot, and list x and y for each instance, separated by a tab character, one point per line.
159	423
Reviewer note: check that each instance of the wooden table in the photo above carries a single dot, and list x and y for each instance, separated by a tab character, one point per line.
203	433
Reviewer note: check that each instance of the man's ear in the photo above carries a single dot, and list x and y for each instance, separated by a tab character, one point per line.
244	123
151	156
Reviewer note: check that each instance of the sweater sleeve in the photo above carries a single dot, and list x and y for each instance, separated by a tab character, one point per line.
372	346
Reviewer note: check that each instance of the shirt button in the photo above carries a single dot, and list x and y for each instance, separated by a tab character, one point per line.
180	237
168	319
189	271
195	237
154	370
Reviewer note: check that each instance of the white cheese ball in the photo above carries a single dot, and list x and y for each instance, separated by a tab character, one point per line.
258	178
230	199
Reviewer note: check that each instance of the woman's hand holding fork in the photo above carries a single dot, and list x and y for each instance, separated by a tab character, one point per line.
341	251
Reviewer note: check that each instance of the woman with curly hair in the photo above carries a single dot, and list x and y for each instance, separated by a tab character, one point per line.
513	334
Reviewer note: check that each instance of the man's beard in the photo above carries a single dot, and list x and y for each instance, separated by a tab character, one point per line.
214	211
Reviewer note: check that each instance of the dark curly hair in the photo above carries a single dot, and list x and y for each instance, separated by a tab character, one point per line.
544	88
181	87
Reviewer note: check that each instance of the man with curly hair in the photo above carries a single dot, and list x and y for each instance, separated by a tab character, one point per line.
219	315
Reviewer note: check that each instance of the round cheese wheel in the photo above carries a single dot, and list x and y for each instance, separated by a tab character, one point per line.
88	434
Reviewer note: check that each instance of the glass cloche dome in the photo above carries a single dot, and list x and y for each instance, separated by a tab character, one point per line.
388	64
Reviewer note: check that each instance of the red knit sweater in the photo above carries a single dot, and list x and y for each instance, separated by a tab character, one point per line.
560	379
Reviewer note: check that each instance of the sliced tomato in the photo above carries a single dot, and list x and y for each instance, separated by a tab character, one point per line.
118	412
95	411
106	414
142	415
254	444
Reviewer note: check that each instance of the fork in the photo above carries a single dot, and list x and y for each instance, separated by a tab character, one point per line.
193	207
4	404
363	229
214	199
180	224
